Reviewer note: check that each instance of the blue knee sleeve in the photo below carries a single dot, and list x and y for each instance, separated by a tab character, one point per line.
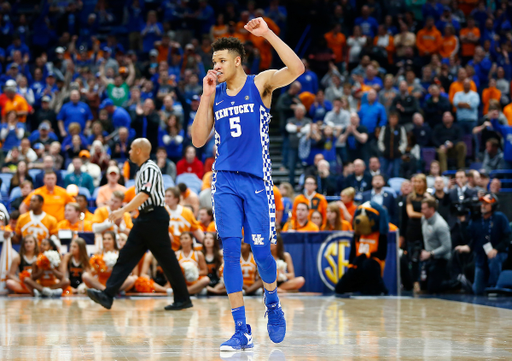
266	263
232	249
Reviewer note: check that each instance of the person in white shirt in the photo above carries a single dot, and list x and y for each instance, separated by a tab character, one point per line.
467	102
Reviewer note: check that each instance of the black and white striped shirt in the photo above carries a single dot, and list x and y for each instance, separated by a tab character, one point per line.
149	180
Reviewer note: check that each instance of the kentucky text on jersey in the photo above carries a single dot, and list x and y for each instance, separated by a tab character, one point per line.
238	109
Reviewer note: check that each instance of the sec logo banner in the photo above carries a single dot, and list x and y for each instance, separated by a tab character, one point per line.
332	258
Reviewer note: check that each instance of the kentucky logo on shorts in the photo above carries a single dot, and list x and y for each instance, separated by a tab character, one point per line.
332	258
257	240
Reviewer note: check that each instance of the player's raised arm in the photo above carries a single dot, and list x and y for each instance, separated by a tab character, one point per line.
203	122
293	65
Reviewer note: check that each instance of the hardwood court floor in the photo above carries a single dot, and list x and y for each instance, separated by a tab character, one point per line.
319	328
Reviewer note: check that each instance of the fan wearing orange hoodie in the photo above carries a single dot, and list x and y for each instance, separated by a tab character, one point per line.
428	40
490	93
449	44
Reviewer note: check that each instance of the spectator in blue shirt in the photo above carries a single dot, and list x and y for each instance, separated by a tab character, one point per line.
320	107
11	132
368	24
151	31
467	102
17	45
308	79
433	9
74	112
372	79
78	177
119	116
135	22
206	16
372	114
447	19
482	66
506	133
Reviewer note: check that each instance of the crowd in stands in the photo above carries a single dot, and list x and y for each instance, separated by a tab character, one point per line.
389	86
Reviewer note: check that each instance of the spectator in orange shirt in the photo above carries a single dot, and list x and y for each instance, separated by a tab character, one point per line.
105	192
314	200
449	43
220	29
347	206
240	26
15	102
490	93
428	39
337	42
100	222
301	223
278	199
262	44
469	38
82	203
188	198
335	221
36	222
55	197
72	220
181	218
205	218
163	47
385	41
316	218
458	85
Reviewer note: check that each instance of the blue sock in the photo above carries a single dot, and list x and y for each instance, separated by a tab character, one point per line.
239	317
271	296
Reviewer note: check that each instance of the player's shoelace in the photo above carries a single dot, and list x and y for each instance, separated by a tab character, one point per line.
275	315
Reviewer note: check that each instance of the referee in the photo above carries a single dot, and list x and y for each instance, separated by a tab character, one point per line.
150	231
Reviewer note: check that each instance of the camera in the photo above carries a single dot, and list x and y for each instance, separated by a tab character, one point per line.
467	206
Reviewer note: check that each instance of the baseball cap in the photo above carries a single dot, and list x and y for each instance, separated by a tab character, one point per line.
106	103
14	65
123	70
72	190
51	73
196	97
189	46
10	83
153	52
44	126
46	98
112	169
59	50
38	146
84	153
489	198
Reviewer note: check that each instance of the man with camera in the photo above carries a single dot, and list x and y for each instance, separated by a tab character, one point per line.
489	238
460	194
438	247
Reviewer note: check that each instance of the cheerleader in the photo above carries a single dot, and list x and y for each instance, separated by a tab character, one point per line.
152	278
21	265
192	264
47	280
75	264
213	257
102	264
286	280
252	283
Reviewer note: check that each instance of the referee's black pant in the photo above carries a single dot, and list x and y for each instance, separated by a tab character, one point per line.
150	231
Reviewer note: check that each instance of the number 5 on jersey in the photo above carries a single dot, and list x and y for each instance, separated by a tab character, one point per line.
234	125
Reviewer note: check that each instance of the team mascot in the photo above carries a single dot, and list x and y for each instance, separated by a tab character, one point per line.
368	251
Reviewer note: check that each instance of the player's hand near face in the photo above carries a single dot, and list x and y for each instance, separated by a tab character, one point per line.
209	83
257	27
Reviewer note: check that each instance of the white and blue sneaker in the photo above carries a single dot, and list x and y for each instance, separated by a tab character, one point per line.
241	340
276	325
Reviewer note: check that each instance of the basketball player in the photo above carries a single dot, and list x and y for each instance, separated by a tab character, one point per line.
242	188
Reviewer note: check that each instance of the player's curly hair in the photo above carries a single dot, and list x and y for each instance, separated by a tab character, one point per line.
230	44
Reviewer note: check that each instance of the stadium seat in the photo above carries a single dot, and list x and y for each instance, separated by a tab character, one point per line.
130	183
390	190
15	193
168	182
476	166
95	193
396	184
6	178
63	173
84	191
428	155
190	180
449	173
34	172
468	140
4	190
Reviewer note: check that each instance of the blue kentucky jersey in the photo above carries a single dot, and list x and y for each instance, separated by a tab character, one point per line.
241	131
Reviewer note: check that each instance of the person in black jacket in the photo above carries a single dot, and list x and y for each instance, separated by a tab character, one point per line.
436	106
406	105
422	132
359	180
447	139
146	124
392	143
